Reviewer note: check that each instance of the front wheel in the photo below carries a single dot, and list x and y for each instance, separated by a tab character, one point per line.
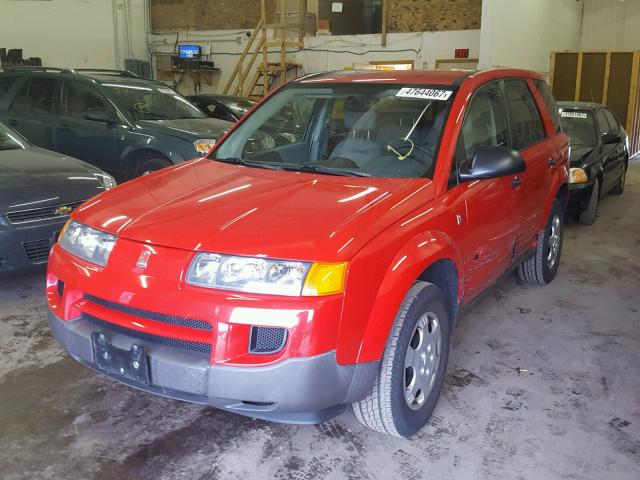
588	215
541	268
619	188
413	366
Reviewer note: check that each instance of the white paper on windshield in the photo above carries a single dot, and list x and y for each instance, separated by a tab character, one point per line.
166	90
424	93
573	115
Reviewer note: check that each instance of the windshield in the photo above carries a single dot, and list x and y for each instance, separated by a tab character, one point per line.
153	102
351	129
580	126
10	140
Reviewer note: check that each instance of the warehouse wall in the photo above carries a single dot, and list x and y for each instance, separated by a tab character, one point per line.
611	25
327	52
523	33
75	33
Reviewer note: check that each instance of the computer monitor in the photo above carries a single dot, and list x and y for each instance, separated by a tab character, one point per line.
189	51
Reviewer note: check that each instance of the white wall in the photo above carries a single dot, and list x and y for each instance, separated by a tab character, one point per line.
325	52
75	33
522	33
611	25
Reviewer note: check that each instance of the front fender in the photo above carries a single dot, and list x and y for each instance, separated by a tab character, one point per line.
421	251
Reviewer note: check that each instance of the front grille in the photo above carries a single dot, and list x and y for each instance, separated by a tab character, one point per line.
37	250
267	339
149	337
158	317
43	213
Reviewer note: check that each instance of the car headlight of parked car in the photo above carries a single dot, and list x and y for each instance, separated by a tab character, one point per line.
203	145
268	276
87	243
106	180
578	175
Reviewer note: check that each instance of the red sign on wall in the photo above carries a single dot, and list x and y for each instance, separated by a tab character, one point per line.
462	53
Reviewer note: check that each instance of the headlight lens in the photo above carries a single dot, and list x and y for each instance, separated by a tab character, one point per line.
106	180
263	275
204	145
578	175
87	243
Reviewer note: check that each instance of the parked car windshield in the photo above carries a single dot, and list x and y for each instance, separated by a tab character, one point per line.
153	102
580	126
351	129
10	140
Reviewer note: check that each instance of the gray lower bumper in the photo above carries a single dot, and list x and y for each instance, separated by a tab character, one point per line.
297	390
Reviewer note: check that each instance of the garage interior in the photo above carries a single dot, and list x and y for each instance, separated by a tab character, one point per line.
541	383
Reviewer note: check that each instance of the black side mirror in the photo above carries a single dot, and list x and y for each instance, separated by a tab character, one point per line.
100	116
493	162
611	137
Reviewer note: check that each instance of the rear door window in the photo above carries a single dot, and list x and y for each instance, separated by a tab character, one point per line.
81	98
36	96
526	124
5	84
550	102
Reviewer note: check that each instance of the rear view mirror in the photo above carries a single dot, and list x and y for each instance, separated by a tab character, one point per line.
493	162
609	138
100	116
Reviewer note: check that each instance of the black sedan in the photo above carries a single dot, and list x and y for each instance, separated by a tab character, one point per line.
222	107
38	190
599	156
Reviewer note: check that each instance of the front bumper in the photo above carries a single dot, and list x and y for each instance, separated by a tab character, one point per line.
579	195
296	390
23	247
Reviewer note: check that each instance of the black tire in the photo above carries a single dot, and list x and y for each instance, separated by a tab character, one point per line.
588	215
147	165
385	407
619	188
537	269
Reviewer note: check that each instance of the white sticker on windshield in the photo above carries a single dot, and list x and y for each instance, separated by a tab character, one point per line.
425	93
573	115
166	90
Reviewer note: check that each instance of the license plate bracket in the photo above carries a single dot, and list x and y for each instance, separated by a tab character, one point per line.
132	364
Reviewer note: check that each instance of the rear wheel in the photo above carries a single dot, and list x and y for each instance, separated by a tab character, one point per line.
619	188
413	366
542	267
588	215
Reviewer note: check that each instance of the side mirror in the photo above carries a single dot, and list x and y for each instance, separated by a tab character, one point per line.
493	162
100	116
609	138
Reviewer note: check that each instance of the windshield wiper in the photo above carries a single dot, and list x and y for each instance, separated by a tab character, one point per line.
246	163
343	172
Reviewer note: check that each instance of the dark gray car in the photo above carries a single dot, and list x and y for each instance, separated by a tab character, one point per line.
38	190
123	124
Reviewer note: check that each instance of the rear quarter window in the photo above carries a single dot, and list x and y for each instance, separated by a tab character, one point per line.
524	117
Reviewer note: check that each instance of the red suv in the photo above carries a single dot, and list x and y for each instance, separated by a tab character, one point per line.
319	255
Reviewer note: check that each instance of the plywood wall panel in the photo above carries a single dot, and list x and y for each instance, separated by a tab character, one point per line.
619	84
564	76
171	15
592	78
433	15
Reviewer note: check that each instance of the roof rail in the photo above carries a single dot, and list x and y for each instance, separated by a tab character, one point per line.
32	68
106	71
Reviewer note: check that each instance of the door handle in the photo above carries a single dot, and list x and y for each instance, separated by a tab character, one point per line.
13	123
516	181
65	128
551	161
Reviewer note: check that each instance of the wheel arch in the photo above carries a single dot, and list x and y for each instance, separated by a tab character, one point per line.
430	256
133	156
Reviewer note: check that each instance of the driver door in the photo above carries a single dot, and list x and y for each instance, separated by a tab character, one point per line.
89	140
493	206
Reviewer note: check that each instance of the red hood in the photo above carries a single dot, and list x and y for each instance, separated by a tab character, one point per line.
211	206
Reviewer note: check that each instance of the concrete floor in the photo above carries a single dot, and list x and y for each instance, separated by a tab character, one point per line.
543	383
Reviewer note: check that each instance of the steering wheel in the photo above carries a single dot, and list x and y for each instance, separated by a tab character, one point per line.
397	146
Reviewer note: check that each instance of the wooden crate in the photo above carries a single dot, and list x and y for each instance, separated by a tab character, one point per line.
608	77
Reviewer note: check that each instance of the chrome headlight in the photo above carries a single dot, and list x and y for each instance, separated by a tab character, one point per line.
87	243
248	274
204	145
578	175
106	180
268	276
